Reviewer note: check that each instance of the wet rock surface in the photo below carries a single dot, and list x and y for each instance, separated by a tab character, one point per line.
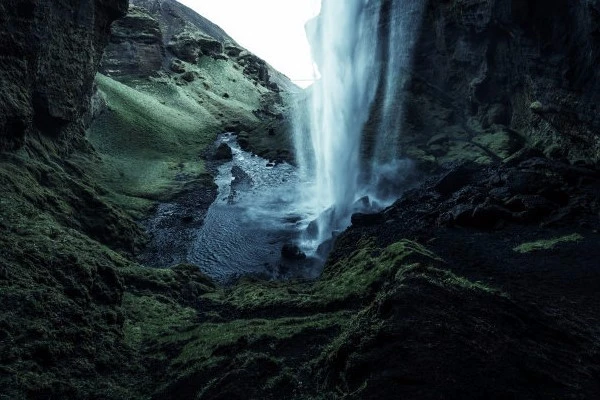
490	76
223	153
173	225
535	192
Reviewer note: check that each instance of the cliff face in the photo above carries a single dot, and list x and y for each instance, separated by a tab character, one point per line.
492	76
136	47
59	291
50	54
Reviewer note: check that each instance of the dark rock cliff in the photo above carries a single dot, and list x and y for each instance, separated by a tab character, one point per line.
50	54
136	47
490	76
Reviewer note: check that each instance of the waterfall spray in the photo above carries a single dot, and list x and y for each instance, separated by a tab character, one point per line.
361	48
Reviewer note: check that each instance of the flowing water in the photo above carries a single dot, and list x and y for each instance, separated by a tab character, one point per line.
251	219
240	232
362	49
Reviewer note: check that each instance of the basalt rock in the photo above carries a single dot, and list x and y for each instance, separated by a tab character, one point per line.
50	55
136	46
482	67
190	47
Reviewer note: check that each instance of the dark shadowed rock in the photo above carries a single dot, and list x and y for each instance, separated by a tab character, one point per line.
223	152
189	46
291	251
48	65
469	65
453	180
363	219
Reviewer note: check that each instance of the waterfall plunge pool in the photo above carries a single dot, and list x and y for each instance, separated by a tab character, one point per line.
241	231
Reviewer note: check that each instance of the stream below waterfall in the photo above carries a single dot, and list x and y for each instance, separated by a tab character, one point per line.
242	232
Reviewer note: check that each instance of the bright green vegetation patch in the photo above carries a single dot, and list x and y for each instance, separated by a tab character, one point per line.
150	144
547	244
355	277
368	267
251	294
441	278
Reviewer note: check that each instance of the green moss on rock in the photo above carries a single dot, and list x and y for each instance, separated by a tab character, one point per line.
547	244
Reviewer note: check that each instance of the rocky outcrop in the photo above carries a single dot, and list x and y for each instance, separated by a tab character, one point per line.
139	41
190	47
136	46
50	54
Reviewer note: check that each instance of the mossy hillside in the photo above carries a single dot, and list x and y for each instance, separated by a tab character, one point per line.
224	83
355	277
148	149
153	137
287	325
60	321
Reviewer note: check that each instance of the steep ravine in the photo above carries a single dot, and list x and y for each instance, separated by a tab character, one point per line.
480	282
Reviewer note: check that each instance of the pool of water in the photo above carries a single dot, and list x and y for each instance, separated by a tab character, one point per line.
242	232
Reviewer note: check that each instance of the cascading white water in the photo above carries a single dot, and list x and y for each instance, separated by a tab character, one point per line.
361	48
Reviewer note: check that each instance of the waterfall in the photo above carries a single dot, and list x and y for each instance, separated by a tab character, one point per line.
362	49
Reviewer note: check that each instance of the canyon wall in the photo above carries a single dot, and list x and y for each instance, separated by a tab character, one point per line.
50	54
493	76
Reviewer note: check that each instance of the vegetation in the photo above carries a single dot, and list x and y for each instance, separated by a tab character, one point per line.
547	244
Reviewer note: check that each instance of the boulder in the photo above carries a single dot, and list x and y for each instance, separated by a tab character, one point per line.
223	152
177	66
189	76
453	180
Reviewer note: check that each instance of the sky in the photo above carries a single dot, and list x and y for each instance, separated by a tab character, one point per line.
271	29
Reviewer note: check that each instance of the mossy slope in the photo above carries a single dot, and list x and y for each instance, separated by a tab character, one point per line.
374	324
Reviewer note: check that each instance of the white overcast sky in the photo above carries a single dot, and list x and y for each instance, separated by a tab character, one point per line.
271	29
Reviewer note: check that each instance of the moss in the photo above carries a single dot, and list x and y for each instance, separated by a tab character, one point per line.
153	317
547	244
357	276
364	270
442	279
59	285
150	142
252	294
501	143
204	339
